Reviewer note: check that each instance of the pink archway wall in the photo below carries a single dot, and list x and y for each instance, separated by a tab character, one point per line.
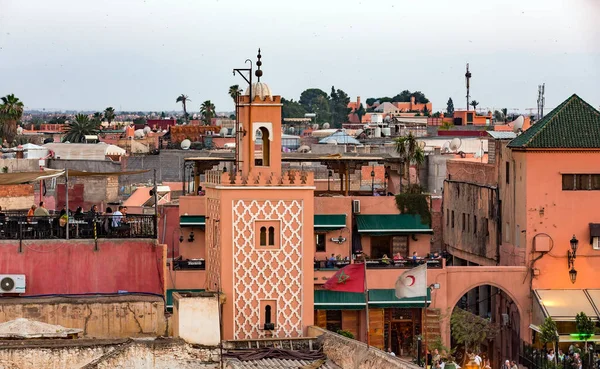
457	281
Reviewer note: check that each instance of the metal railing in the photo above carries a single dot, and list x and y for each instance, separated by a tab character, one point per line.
380	263
535	358
82	226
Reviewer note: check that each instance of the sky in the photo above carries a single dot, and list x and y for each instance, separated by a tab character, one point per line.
141	54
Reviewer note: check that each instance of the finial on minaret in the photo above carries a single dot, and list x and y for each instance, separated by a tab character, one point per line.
258	72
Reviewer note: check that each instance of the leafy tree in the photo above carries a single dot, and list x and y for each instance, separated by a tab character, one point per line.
360	112
450	107
471	330
410	152
11	111
207	109
140	121
425	111
403	96
291	109
549	332
505	113
371	101
316	101
414	201
498	117
98	118
339	107
183	99
58	120
420	97
78	128
585	327
474	104
437	114
235	92
109	114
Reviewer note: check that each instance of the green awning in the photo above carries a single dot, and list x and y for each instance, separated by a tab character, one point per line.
391	224
335	300
378	298
386	298
329	222
192	221
170	295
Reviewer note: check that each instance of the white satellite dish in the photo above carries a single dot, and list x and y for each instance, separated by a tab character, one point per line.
139	133
325	125
185	144
292	129
422	144
455	144
517	124
223	132
147	130
315	126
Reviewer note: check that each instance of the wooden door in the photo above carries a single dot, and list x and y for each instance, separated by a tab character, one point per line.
350	321
376	328
321	318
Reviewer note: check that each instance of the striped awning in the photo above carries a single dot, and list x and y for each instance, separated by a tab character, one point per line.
192	221
329	222
390	224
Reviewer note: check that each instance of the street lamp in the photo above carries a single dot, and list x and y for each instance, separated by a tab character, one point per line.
571	255
573	275
373	180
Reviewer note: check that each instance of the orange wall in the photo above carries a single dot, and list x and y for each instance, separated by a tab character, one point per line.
192	205
560	214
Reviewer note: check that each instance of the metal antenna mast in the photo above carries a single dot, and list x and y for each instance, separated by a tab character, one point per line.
239	132
541	100
467	80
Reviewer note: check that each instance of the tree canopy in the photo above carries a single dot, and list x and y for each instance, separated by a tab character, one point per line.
316	101
403	96
291	109
339	107
79	127
450	107
207	109
471	330
109	114
11	111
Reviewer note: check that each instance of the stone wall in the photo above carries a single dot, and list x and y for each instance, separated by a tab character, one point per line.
104	354
352	354
16	197
98	317
20	165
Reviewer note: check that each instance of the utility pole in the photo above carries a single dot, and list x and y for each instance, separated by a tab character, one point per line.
467	80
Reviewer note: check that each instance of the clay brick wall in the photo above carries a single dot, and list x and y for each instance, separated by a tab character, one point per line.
16	197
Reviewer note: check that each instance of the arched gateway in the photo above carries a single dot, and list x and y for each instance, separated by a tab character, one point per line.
455	282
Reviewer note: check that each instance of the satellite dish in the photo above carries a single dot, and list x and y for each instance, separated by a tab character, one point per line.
20	130
455	144
147	130
139	133
517	124
223	132
325	125
185	144
292	129
422	144
315	126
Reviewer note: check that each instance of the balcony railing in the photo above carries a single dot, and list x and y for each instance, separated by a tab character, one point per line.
379	264
80	227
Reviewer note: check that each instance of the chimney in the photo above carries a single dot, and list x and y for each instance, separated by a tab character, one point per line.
357	101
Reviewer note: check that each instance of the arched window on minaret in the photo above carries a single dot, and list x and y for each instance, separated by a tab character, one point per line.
263	236
271	236
266	147
268	314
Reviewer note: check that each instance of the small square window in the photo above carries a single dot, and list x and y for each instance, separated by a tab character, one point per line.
267	235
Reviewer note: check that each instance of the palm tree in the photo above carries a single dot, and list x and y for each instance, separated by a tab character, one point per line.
80	127
183	99
109	114
474	104
235	92
505	113
207	109
410	152
98	118
360	112
11	110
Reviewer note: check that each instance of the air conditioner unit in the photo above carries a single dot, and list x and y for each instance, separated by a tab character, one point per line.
12	283
505	319
596	243
356	206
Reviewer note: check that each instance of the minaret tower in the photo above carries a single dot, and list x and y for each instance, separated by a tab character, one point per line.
259	227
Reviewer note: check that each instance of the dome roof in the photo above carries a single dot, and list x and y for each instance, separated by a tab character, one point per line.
259	89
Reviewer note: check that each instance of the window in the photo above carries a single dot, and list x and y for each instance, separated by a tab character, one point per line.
474	224
447	217
263	236
271	236
320	242
581	182
464	223
468	222
268	313
334	320
469	118
267	234
452	219
507	174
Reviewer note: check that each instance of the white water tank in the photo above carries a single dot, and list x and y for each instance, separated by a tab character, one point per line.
386	131
377	132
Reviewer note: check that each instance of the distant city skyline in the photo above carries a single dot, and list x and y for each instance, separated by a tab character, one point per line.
139	55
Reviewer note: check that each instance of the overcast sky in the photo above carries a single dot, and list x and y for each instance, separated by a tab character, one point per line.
141	54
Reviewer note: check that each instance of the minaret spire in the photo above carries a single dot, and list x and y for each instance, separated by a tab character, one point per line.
258	72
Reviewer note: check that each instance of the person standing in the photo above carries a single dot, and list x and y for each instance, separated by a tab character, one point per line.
506	365
117	216
477	359
514	365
